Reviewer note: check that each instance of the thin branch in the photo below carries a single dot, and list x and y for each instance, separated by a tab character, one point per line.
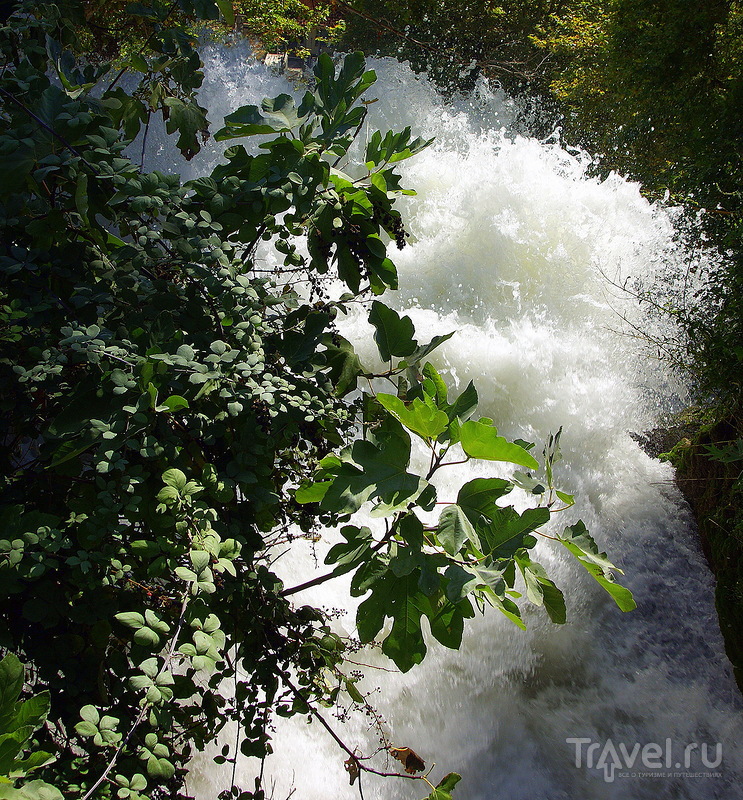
346	749
144	138
47	128
145	706
334	574
309	584
118	752
386	26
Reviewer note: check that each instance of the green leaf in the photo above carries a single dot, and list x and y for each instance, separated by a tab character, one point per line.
11	685
353	692
146	637
86	729
90	714
425	350
482	441
554	603
460	582
175	478
465	405
72	448
227	11
525	481
187	119
344	364
168	495
282	111
445	787
418	416
31	712
279	115
454	529
160	768
540	590
200	560
552	454
131	619
508	530
582	545
35	760
154	622
445	620
435	388
404	643
477	497
393	334
138	782
81	194
619	594
373	470
175	403
353	551
33	790
510	610
312	492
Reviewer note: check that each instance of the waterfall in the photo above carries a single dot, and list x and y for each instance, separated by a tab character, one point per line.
524	254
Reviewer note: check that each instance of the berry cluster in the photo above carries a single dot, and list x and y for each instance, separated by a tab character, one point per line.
262	417
393	224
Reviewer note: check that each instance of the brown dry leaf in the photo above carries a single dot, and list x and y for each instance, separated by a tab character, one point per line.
408	758
352	768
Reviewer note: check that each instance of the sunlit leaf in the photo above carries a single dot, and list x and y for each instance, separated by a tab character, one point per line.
417	416
482	441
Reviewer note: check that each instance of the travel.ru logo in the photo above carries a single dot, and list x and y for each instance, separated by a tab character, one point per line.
649	760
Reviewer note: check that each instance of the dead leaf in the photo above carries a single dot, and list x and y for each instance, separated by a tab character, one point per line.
408	758
352	768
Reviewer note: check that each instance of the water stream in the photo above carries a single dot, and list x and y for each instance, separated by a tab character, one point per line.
521	252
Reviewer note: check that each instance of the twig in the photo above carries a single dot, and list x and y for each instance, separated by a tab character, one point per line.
346	749
309	584
47	128
144	138
143	710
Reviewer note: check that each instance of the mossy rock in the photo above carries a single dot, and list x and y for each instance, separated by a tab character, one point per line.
715	492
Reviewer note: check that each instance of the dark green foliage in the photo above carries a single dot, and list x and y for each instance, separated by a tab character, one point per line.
471	552
453	41
19	719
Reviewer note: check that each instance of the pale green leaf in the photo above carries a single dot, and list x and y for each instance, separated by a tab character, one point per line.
482	441
175	478
417	417
454	529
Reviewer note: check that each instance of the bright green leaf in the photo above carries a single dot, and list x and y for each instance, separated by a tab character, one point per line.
482	441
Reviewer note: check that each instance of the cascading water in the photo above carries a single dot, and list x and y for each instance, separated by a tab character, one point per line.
518	250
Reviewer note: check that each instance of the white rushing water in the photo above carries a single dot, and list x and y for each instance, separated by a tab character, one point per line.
518	250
